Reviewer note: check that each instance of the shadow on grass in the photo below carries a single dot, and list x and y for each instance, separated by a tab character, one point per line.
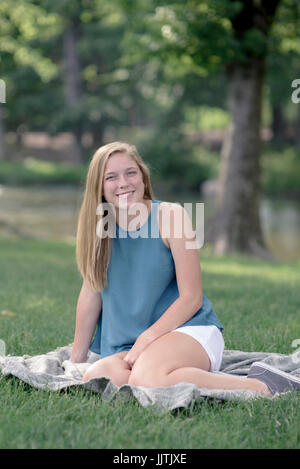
206	404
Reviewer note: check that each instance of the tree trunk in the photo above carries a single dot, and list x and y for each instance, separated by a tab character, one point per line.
297	130
73	82
98	135
237	224
278	125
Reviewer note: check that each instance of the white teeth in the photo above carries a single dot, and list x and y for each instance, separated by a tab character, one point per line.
124	195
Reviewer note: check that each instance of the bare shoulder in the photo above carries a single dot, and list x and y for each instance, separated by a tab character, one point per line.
169	212
172	211
174	222
170	207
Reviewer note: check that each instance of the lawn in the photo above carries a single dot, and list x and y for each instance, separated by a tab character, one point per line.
257	302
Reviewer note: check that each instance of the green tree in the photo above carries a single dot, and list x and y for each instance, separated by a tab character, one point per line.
283	66
61	63
21	24
205	37
99	93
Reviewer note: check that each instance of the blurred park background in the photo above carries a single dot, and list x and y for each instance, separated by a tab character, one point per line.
206	90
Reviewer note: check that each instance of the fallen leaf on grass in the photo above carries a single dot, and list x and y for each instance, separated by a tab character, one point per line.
9	314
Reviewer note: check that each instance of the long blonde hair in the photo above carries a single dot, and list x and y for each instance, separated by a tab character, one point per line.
92	250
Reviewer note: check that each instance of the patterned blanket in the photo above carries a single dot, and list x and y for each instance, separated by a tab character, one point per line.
54	371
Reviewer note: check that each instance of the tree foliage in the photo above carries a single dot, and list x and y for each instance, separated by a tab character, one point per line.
142	64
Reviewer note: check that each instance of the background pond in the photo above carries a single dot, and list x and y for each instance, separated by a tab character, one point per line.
51	212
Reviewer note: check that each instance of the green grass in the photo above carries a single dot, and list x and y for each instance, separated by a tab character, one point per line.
257	302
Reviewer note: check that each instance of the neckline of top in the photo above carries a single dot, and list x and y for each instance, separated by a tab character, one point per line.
153	203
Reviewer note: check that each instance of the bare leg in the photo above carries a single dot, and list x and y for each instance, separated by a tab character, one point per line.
176	357
112	367
206	379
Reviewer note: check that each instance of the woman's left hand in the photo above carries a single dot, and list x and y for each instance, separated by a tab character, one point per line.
139	346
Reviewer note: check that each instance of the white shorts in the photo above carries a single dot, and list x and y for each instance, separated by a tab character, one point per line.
211	339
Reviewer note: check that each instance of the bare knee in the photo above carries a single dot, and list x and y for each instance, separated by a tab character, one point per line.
144	375
113	368
96	372
148	371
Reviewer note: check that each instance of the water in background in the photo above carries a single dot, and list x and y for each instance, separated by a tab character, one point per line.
51	213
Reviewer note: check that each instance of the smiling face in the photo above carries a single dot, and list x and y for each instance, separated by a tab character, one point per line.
123	181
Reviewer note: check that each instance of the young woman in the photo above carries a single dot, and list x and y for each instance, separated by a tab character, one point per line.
142	286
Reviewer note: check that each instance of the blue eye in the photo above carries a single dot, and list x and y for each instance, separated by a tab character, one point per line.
112	177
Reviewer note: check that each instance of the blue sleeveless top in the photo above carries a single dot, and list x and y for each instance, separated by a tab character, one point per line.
141	286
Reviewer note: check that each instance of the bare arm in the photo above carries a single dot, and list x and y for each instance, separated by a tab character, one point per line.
185	252
89	308
188	274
